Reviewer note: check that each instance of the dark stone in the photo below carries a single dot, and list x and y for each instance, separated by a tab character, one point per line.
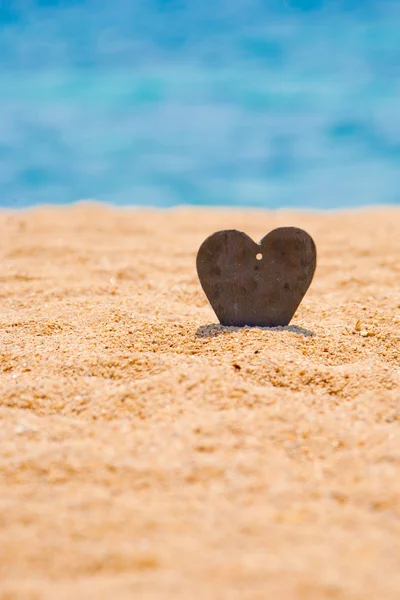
243	288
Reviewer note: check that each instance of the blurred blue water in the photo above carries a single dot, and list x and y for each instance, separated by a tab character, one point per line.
224	102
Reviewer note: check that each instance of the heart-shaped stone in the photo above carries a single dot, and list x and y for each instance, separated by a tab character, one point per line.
256	284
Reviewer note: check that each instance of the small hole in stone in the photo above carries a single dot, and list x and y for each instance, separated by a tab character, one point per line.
259	256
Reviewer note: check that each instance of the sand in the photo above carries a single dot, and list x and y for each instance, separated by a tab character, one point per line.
147	452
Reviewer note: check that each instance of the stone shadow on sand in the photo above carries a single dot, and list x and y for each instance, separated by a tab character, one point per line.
212	330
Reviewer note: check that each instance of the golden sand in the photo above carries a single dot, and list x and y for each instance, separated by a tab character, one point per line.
147	452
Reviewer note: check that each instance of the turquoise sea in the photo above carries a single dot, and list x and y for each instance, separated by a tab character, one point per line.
225	102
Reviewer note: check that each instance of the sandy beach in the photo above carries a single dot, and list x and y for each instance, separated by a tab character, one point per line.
147	452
